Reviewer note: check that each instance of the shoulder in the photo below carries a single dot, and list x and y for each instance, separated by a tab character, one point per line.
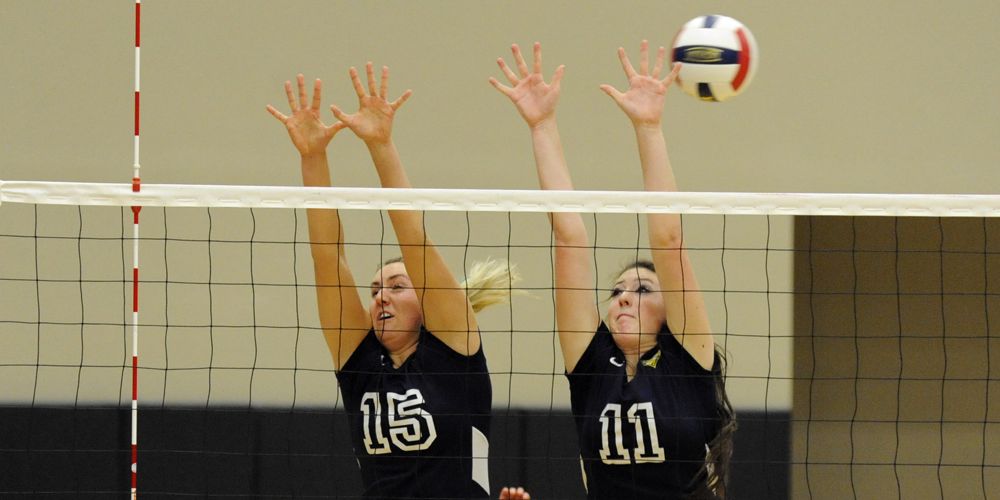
601	348
433	352
683	361
367	352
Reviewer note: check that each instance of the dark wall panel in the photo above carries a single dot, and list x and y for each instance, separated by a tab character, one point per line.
232	453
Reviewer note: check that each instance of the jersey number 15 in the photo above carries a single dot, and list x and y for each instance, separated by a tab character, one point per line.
410	427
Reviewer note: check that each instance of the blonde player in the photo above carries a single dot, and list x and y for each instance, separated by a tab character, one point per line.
411	366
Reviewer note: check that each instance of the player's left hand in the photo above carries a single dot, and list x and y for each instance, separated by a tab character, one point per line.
643	101
534	99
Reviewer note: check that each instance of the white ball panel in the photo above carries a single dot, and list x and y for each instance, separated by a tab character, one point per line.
709	72
728	23
722	91
689	88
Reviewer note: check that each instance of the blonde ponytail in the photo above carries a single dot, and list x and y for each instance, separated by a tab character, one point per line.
491	282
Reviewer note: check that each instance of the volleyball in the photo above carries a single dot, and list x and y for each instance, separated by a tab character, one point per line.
718	55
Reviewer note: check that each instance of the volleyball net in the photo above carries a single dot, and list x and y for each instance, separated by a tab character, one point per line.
860	332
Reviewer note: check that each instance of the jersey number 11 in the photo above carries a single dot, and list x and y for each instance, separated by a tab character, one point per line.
647	443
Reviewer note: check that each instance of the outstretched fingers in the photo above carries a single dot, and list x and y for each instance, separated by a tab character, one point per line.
356	82
613	93
383	91
674	71
626	64
660	53
340	115
301	80
292	105
370	73
522	67
277	114
300	103
644	57
557	76
537	52
317	93
402	99
511	77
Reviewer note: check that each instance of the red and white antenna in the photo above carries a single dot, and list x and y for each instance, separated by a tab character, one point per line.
135	262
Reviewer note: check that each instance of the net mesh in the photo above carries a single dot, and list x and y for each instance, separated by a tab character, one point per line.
860	351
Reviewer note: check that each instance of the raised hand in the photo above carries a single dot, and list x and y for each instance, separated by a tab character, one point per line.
308	132
535	100
643	101
373	121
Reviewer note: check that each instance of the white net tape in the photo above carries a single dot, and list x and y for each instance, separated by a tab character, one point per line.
481	200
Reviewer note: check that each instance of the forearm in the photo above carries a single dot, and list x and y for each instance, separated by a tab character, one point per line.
324	224
447	313
553	173
340	309
658	175
408	224
326	234
315	170
550	162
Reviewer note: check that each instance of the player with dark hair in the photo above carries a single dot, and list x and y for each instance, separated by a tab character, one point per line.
411	367
646	382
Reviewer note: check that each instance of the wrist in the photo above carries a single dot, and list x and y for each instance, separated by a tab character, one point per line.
647	126
308	158
315	170
543	125
379	144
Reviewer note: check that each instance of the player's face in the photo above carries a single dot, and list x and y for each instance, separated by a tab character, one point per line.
395	310
636	311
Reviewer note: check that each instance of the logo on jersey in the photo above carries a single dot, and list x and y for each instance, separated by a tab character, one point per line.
647	442
651	362
616	362
404	424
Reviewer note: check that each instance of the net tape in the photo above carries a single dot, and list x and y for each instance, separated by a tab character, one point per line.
491	200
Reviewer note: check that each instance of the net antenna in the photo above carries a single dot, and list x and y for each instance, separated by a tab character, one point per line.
135	263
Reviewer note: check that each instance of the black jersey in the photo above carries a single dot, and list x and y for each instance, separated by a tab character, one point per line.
645	438
416	428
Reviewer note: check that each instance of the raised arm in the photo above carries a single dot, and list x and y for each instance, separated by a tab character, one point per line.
446	310
341	312
535	100
643	104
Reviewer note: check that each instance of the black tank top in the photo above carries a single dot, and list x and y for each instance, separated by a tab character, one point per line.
645	438
416	429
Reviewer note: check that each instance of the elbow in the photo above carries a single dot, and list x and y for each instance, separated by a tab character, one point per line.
326	252
667	237
569	238
568	231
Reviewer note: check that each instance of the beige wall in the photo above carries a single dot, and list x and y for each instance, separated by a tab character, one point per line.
895	358
850	96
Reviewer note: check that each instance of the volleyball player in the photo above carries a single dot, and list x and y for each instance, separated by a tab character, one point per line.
646	384
411	368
